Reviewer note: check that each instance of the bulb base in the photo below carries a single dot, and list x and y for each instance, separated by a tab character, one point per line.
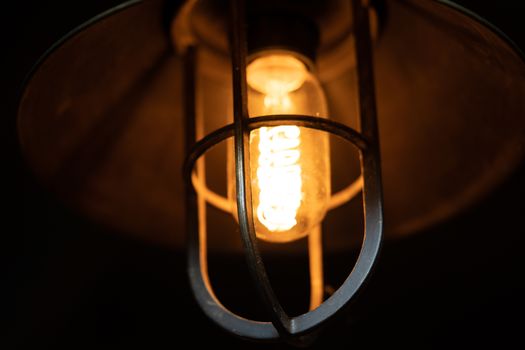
282	31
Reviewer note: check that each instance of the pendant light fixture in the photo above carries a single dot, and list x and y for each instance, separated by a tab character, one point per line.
141	95
280	178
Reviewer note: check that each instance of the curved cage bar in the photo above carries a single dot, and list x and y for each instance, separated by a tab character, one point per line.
238	48
336	199
294	330
332	127
335	128
309	321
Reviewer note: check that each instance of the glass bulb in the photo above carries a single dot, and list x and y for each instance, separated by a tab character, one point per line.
290	165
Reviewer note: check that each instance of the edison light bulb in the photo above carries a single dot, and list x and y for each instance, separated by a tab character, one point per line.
290	167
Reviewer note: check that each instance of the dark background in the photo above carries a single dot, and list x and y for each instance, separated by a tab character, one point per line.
72	285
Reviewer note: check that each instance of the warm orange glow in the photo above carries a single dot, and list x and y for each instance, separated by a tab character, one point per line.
279	174
279	177
289	164
276	75
278	164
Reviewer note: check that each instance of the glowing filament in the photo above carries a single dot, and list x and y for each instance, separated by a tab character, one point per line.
279	177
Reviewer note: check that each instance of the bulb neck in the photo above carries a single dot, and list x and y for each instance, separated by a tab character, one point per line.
282	31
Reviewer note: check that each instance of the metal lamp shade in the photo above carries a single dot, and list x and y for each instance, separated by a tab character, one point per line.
100	119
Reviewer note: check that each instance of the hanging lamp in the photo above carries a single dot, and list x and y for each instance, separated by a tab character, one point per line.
120	119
